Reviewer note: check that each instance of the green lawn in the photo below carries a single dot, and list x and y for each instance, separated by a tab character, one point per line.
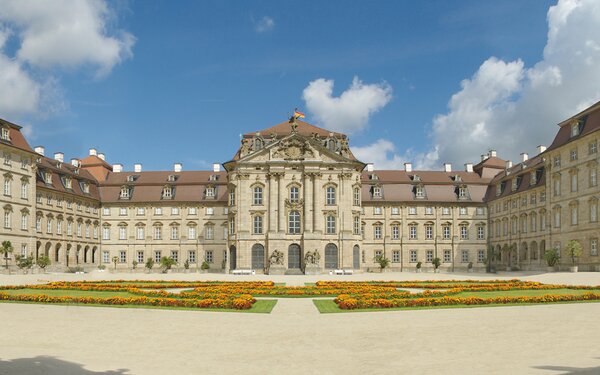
68	293
524	293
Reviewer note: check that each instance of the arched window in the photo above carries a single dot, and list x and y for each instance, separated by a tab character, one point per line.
330	195
257	196
125	192
294	222
294	194
330	224
257	224
167	192
258	144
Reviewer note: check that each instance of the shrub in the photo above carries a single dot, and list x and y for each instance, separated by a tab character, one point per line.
436	263
205	265
418	265
167	263
186	265
115	260
382	261
574	250
43	261
6	249
101	266
134	264
149	263
552	257
74	269
470	265
24	262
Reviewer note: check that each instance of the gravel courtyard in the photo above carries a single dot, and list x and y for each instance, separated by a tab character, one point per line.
296	339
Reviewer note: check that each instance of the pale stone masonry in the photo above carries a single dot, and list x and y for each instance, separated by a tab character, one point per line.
297	188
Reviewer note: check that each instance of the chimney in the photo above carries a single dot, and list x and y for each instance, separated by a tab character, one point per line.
483	157
75	162
370	167
524	156
216	167
177	167
93	152
541	149
137	168
408	167
447	167
40	150
469	167
508	164
492	153
59	156
102	156
117	168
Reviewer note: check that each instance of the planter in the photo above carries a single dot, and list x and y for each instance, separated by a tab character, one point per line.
550	269
470	270
419	270
573	269
436	270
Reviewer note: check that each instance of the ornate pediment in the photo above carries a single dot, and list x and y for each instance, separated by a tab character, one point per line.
294	205
294	149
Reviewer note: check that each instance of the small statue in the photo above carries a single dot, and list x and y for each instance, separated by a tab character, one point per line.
276	258
245	147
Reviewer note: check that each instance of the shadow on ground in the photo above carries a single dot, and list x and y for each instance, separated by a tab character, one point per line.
43	365
565	370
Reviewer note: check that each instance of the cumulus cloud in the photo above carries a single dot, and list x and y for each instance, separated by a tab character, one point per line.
264	24
349	112
383	154
512	108
50	34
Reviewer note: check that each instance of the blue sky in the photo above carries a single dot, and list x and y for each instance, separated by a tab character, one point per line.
189	77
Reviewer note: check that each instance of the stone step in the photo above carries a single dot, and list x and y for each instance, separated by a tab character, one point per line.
294	272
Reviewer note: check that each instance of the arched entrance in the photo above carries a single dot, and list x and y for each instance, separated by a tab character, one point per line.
77	254
85	254
57	253
331	256
67	254
258	257
38	246
356	257
47	249
94	249
294	256
232	258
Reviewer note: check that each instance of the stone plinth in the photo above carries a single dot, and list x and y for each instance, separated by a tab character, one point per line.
276	269
312	269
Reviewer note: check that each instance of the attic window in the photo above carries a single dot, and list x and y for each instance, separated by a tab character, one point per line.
130	178
85	187
373	177
167	192
415	177
125	192
171	178
456	178
377	193
515	182
58	164
533	179
258	144
498	189
5	134
575	129
213	177
67	182
48	177
210	192
463	193
331	145
419	191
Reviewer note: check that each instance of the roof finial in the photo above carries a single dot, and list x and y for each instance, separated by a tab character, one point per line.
297	115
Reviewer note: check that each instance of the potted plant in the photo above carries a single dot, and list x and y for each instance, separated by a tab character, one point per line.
382	261
101	267
24	263
43	261
470	267
552	257
574	251
437	262
115	260
134	264
186	266
204	267
167	263
419	267
149	264
6	249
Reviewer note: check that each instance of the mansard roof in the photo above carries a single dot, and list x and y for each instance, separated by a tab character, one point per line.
16	137
590	122
67	170
284	128
523	169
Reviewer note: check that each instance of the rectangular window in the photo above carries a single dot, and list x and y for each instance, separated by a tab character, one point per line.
24	190
122	211
209	256
395	232
396	256
378	253
428	232
428	210
413	256
480	256
573	154
330	229
429	256
174	232
557	161
356	196
174	210
464	233
356	226
593	211
175	255
446	230
192	211
594	247
158	211
122	256
574	215
447	256
445	210
593	177
209	232
157	232
412	210
24	221
480	232
140	256
480	211
106	211
463	211
192	256
78	229
395	211
210	210
377	231
593	148
141	211
105	257
377	210
192	233
122	232
465	256
157	256
412	232
557	186
573	182
232	198
23	250
140	233
69	228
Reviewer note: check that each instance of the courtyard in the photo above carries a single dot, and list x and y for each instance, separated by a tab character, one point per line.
296	338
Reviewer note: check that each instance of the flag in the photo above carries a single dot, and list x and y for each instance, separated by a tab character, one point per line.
298	114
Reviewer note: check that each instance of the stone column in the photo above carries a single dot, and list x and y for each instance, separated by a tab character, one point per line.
272	225
280	201
307	190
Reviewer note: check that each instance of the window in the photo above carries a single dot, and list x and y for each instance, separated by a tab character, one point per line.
192	233
533	198
210	192
377	192
543	221
122	232
412	210
106	211
210	210
557	217
574	182
447	256
140	256
429	232
122	256
141	211
258	196
357	196
294	194
125	192
412	231
157	232
533	178
87	231
377	231
174	232
575	129
69	228
209	256
574	214
175	255
428	210
557	186
419	192
158	211
463	211
38	224
79	229
429	256
378	253
24	190
446	232
464	233
413	256
7	186
257	224
140	232
232	198
23	250
356	225
593	211
480	256
192	211
377	210
294	222
542	196
122	211
593	177
174	210
25	221
593	148
330	224
7	218
481	232
573	154
5	134
446	211
330	195
395	211
556	161
192	256
594	247
105	257
232	226
465	256
480	211
225	232
462	192
396	256
395	232
157	256
209	232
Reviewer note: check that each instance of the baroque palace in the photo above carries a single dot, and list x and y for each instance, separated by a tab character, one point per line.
296	191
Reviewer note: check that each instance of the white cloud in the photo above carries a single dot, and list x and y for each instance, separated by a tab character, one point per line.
507	106
264	24
48	34
382	153
350	112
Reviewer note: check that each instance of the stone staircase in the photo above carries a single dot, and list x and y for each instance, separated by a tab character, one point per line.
294	271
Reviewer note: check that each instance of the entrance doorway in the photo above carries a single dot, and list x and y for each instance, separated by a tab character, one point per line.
356	257
258	257
294	256
331	256
232	258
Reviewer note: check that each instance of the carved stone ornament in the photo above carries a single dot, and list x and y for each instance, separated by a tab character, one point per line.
298	204
293	149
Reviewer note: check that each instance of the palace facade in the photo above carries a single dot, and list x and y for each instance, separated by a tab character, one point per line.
296	189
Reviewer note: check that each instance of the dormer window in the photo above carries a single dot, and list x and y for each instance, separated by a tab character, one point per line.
210	192
419	191
258	144
85	187
5	134
48	177
167	192
575	129
377	192
533	178
415	177
171	178
294	194
67	182
331	144
463	192
125	192
456	178
516	182
213	177
130	178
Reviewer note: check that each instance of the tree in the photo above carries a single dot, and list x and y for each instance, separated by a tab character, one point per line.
43	261
115	260
382	261
6	249
24	262
437	262
167	263
551	256
134	263
574	250
149	263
